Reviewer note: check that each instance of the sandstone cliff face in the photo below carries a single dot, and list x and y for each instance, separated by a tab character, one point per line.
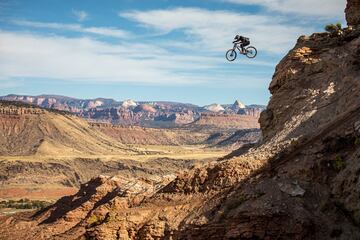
353	12
322	75
19	111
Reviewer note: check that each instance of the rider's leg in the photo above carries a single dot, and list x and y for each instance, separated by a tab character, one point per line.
242	48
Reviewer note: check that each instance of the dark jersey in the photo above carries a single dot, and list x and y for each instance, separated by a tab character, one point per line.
243	40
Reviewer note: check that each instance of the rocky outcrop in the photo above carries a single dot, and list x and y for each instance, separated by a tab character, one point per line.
322	75
214	108
20	111
129	103
178	118
87	207
14	108
145	108
353	12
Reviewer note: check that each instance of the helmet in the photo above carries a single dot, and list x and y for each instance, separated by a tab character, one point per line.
237	37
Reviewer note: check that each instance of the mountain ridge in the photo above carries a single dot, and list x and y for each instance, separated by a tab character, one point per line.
59	97
129	112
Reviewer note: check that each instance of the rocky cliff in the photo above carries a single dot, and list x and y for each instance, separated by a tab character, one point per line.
353	12
302	182
322	75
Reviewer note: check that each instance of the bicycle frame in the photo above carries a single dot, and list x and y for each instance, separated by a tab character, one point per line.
237	46
249	51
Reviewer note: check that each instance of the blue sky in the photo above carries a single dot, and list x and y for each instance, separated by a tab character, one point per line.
151	50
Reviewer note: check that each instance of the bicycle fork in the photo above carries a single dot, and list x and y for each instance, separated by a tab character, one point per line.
235	46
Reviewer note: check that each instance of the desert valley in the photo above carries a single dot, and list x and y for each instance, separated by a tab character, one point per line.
48	150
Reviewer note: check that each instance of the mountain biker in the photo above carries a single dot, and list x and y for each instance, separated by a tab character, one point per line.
243	41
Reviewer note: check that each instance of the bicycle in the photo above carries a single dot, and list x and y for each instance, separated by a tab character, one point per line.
250	52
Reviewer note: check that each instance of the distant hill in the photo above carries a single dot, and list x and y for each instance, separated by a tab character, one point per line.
225	121
129	112
29	130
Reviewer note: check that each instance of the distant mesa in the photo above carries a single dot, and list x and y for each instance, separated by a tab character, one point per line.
214	108
95	104
130	112
129	103
145	108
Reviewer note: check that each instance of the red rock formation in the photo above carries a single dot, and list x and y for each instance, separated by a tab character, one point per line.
145	114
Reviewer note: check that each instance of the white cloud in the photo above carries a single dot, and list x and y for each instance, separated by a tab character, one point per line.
80	15
199	59
104	31
214	30
316	8
84	59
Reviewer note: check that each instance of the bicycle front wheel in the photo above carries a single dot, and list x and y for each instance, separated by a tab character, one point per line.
231	55
251	52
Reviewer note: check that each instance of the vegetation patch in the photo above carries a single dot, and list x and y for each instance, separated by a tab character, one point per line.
338	164
333	28
94	220
24	204
109	217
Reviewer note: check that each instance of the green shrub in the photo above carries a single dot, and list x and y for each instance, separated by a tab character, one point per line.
109	218
94	220
338	164
333	28
24	204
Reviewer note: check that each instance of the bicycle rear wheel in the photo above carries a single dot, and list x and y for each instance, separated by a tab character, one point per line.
251	52
231	55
